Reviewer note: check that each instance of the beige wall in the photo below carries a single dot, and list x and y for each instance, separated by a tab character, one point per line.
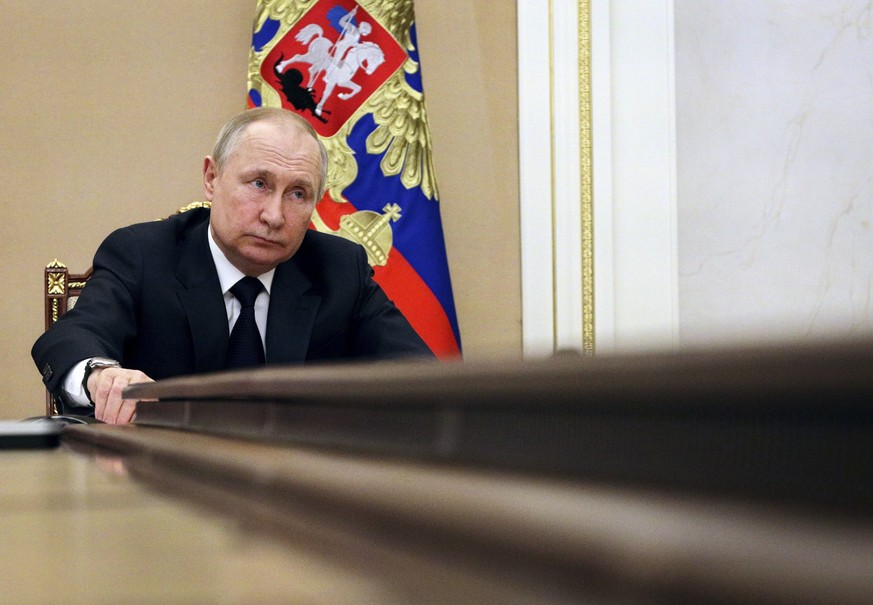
108	108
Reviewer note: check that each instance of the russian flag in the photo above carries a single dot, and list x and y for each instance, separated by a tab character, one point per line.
358	82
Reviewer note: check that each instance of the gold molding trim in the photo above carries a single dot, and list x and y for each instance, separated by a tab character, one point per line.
586	176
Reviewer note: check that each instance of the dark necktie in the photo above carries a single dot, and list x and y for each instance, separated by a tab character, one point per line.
245	347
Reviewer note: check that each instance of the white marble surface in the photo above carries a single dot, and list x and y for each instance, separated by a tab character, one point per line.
774	105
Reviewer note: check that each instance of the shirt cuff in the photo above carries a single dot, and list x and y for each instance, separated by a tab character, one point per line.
73	390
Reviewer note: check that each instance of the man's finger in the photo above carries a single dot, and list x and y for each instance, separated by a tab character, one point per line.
126	412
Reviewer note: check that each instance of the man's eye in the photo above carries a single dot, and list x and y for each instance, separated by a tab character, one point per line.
259	184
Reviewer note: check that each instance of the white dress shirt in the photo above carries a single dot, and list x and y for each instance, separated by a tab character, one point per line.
228	275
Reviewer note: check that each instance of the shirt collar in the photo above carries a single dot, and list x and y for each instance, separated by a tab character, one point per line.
228	275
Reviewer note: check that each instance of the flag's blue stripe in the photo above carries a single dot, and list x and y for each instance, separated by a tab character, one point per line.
418	235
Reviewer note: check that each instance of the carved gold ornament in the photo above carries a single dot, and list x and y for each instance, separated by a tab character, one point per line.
56	283
194	205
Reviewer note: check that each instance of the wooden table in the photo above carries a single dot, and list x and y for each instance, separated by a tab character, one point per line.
242	506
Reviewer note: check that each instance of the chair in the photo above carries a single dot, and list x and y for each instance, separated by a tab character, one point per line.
62	290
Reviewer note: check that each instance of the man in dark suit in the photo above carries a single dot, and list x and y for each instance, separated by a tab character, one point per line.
162	299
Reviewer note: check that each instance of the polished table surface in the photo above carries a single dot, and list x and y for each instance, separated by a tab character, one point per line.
704	477
259	523
76	530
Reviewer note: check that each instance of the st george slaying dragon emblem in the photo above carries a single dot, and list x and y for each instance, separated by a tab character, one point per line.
334	62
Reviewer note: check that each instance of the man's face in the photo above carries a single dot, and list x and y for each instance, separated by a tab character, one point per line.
263	199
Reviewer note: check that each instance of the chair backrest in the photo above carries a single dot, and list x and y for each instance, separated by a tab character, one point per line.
62	290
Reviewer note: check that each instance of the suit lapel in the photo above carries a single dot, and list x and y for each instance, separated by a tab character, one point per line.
291	315
201	298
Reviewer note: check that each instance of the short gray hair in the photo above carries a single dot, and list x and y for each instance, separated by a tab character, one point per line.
230	134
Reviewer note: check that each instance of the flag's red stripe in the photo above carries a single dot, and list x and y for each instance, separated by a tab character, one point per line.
405	287
418	304
331	212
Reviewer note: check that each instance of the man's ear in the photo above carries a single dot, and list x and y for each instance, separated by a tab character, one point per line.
210	173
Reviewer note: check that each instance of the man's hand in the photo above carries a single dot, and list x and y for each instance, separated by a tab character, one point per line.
105	386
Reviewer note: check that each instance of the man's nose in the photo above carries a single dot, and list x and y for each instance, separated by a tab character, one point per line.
271	212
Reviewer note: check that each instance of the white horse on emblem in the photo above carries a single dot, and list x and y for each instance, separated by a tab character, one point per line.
367	55
317	53
338	71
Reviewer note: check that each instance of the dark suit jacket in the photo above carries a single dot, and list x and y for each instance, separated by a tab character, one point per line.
154	303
